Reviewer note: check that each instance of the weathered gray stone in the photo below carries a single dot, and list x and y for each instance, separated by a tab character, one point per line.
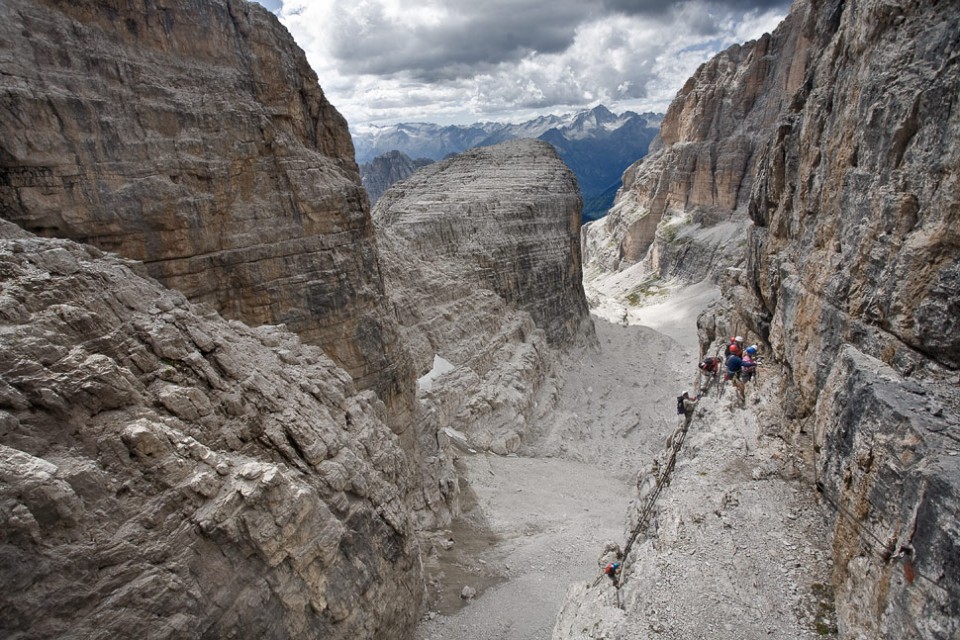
186	498
481	260
889	469
682	209
851	274
384	170
194	137
504	218
856	210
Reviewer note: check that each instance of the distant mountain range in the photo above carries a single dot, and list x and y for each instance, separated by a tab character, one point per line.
597	145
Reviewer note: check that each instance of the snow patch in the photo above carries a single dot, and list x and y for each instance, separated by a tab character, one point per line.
440	367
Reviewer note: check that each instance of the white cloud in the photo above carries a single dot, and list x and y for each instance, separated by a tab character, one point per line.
468	60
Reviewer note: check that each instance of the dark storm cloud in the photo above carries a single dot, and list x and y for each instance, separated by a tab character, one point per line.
400	59
477	36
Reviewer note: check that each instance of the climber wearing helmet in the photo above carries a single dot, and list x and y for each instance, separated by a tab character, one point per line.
734	370
749	366
734	347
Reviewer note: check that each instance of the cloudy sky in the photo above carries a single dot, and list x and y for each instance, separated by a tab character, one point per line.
463	61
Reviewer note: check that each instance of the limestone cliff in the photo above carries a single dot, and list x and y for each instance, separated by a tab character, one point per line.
850	281
855	250
683	208
481	257
194	137
165	473
384	170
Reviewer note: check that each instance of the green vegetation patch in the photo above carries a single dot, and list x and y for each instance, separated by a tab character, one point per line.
670	227
825	616
648	288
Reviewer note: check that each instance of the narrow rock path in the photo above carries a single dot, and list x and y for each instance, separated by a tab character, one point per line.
545	517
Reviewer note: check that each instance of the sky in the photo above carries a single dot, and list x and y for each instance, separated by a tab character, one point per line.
463	61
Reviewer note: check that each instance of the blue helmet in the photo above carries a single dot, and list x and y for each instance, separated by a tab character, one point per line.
752	349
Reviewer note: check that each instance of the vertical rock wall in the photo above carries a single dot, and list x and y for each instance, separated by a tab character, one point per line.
684	206
506	217
481	256
193	136
855	267
856	211
850	138
888	470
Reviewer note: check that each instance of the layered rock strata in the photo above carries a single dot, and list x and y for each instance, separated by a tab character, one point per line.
194	137
384	170
888	468
856	213
850	280
481	257
855	242
683	208
169	474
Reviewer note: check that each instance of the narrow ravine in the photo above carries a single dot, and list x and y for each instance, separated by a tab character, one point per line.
542	522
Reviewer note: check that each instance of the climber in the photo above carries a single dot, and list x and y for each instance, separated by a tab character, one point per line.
735	347
612	571
687	404
734	368
710	366
749	368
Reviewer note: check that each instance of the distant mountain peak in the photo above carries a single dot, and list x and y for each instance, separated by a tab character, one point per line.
596	143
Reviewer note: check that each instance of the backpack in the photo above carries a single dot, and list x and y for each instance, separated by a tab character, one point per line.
680	407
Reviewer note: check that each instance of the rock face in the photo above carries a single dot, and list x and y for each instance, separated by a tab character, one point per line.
194	137
482	262
165	473
381	172
889	468
683	208
505	217
850	278
856	211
